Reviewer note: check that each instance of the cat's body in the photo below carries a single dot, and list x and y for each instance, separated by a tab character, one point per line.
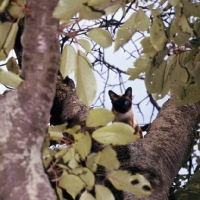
122	108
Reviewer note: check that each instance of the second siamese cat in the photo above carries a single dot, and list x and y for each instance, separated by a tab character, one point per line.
122	108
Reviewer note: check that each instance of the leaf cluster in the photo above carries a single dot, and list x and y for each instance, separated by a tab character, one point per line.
74	167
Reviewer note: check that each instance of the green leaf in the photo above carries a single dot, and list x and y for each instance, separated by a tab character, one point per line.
8	32
68	60
101	37
135	72
178	78
103	193
87	13
158	31
99	117
147	46
184	26
92	161
192	95
73	130
66	9
142	64
154	78
72	158
85	44
86	176
191	9
174	2
86	196
72	184
116	134
10	79
83	143
176	34
123	180
125	32
61	151
3	4
59	193
12	66
97	2
108	158
142	22
86	82
159	57
47	156
56	131
15	8
113	9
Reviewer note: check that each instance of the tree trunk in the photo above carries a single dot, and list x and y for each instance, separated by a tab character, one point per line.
25	112
160	154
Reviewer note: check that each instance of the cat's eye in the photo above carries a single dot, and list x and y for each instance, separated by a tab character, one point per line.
126	103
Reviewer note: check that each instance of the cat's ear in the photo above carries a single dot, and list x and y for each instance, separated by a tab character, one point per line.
128	92
113	96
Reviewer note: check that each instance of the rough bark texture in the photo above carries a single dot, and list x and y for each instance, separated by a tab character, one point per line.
161	153
67	107
25	112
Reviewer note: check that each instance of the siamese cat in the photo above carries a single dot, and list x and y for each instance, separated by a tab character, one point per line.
122	108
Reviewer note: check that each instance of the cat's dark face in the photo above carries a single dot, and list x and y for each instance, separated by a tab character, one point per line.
121	103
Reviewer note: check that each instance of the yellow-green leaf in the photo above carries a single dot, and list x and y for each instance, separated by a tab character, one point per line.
154	78
59	193
101	37
174	2
47	156
56	131
66	9
176	34
72	158
86	176
184	26
123	180
141	65
103	193
72	184
158	31
108	158
85	44
8	32
116	134
83	143
12	65
147	46
113	9
99	117
142	22
125	32
68	60
97	2
87	13
10	79
15	8
3	4
92	161
86	196
86	82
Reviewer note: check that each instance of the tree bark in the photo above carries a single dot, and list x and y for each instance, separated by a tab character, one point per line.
25	112
160	154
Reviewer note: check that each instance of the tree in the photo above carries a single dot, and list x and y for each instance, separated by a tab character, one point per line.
170	63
